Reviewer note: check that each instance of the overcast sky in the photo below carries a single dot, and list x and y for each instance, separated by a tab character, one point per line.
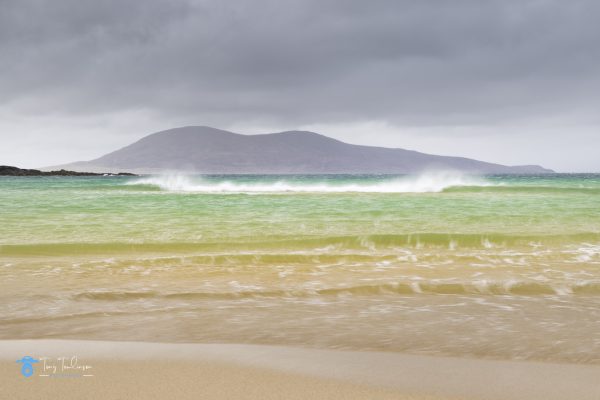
508	81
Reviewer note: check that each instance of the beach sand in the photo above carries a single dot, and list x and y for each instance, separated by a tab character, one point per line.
135	370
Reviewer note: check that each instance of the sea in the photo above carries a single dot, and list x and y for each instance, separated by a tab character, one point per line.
442	263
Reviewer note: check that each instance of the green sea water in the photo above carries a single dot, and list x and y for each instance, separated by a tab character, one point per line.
442	263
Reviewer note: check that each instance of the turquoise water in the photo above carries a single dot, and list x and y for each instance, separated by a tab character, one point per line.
442	263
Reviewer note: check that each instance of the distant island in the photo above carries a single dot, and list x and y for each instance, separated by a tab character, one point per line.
201	149
6	170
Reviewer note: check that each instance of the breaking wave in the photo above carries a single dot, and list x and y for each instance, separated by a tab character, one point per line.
507	287
424	183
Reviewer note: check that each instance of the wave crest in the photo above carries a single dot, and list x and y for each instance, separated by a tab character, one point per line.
423	183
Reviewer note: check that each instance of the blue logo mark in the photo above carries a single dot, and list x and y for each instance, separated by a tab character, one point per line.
27	369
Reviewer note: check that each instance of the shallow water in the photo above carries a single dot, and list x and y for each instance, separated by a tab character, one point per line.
496	266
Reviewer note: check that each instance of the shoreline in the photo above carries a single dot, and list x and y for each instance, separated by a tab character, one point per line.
263	372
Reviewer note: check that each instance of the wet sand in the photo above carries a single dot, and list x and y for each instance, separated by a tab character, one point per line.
137	370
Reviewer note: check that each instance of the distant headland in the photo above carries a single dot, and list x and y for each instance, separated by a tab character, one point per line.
206	150
7	170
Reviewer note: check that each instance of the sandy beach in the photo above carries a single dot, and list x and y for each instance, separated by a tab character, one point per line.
228	371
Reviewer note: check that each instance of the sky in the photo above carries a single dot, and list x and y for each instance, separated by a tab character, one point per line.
506	81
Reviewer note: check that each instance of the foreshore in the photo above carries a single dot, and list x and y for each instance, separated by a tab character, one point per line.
139	370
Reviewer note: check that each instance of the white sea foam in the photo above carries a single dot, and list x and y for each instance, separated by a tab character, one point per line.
426	182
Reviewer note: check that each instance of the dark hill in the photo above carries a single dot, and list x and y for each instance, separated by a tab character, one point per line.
7	170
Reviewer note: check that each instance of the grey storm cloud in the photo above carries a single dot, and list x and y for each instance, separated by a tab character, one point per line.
478	78
304	61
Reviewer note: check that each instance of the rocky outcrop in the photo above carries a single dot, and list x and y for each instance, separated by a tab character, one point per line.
6	170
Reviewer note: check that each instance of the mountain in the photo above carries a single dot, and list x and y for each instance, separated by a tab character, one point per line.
208	150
